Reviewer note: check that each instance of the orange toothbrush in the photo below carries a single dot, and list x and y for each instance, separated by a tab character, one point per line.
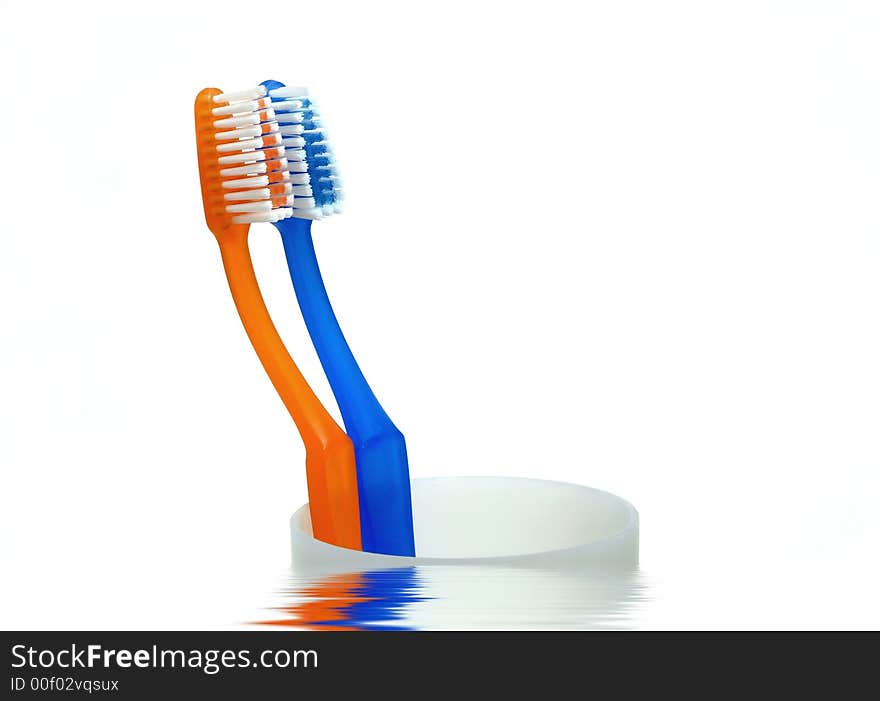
243	177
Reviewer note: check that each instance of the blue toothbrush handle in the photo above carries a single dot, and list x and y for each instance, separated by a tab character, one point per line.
380	448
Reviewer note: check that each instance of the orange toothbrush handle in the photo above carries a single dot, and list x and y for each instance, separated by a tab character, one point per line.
330	464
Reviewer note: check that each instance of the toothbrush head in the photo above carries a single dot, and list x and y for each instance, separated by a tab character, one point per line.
242	165
317	188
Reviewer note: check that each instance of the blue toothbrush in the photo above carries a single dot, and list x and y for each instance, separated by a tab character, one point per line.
380	448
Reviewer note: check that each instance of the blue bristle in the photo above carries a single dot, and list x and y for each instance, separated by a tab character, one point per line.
319	161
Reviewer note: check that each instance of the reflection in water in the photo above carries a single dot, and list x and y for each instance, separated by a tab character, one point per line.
455	597
372	600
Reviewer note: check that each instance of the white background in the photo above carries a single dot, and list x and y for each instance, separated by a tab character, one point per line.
627	244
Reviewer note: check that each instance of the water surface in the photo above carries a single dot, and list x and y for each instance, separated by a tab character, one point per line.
455	597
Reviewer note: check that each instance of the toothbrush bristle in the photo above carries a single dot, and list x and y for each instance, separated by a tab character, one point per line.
311	166
245	174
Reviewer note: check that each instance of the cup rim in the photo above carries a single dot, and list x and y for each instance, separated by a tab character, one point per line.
630	527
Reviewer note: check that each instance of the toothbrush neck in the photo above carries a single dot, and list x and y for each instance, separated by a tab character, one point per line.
364	417
315	425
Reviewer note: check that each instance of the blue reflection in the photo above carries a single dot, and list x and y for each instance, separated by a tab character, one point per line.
380	600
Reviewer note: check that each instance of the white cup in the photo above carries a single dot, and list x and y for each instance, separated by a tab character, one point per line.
505	521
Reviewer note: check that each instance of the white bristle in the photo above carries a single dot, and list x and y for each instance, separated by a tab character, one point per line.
236	134
257	206
246	157
235	122
253	218
260	194
287	106
241	95
251	169
228	110
252	166
290	117
256	217
304	203
303	137
289	91
307	213
236	146
247	132
248	144
240	107
243	183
